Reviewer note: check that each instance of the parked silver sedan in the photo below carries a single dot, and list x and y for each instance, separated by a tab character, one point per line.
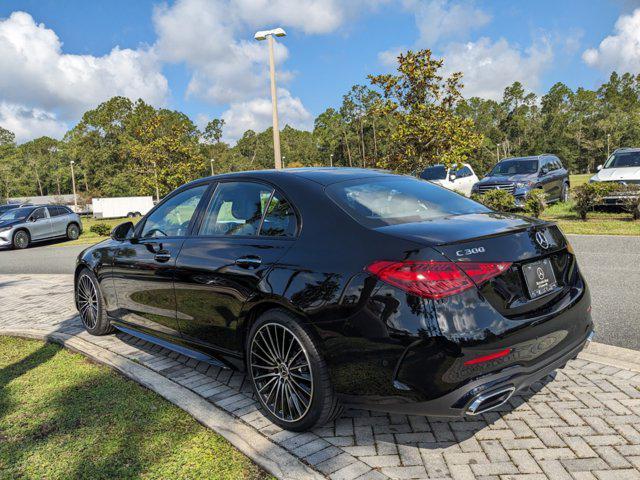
20	227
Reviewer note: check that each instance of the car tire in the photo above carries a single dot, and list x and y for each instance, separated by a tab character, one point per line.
564	193
21	239
90	304
289	376
73	231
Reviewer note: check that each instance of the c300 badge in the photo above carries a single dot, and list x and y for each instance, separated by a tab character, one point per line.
470	251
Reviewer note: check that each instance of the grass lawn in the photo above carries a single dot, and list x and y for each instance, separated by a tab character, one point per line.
579	179
64	417
598	223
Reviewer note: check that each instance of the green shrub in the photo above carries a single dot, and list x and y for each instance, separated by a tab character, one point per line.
101	229
589	195
535	203
498	200
631	200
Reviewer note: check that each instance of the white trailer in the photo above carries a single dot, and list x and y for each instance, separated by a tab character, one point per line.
121	206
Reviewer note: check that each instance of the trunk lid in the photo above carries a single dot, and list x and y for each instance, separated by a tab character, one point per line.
495	237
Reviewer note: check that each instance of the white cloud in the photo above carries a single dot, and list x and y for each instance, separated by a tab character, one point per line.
620	51
214	38
38	77
440	19
489	67
255	114
30	123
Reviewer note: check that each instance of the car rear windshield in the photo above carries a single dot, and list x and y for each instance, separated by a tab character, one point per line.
514	167
16	214
377	202
437	172
623	159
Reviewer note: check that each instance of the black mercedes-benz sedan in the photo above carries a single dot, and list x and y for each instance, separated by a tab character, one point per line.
339	287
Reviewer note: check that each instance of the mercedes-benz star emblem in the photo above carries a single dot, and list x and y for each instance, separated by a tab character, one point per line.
542	240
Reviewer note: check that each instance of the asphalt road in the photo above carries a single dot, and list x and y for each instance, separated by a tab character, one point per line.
611	265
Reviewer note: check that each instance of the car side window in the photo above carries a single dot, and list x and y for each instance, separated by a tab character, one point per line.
280	219
56	211
172	218
38	214
464	172
236	209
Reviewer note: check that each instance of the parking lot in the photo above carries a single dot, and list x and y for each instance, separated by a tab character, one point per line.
580	425
610	264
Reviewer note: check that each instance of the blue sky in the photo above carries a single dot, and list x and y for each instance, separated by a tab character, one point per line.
198	56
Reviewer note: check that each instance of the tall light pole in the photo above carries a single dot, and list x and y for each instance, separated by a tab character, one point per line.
331	159
268	35
211	162
73	183
608	138
155	174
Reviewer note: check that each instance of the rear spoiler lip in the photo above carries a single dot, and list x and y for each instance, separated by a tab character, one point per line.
542	224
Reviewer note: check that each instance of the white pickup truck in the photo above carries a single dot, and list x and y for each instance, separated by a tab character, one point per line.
116	207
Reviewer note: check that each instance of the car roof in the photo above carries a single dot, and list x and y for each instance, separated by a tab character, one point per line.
627	149
321	175
530	157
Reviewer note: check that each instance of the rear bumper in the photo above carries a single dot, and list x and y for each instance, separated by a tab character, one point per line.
458	402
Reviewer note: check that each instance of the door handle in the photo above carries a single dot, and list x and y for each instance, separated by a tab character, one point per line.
249	261
162	257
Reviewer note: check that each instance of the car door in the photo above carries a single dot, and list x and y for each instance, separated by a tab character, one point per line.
558	178
58	221
226	261
465	180
39	224
545	179
143	266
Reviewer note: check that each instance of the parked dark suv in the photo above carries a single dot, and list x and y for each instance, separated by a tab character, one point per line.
520	175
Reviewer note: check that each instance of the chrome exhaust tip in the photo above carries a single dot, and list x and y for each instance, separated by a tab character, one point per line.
488	401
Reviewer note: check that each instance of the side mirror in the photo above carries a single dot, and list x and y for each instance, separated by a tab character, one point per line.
452	177
543	171
32	219
599	167
122	232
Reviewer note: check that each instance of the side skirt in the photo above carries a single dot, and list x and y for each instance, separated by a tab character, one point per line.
200	356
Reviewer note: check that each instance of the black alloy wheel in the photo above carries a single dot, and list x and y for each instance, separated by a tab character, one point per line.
282	372
90	304
87	300
290	378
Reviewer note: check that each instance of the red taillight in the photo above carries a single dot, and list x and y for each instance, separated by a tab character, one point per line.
488	358
431	279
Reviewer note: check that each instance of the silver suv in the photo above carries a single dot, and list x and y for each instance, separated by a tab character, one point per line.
20	227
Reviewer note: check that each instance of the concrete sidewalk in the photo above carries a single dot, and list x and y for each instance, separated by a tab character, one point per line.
584	424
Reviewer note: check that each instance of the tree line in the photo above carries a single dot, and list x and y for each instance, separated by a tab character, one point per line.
402	121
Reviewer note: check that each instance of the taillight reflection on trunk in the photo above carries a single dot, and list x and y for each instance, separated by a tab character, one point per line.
431	279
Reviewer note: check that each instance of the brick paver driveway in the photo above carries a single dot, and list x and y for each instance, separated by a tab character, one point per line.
583	424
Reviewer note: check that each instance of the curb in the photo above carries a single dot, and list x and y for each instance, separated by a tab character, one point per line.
271	457
618	357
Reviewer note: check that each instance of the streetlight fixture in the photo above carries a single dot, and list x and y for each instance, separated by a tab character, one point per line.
73	183
268	35
608	149
331	160
211	162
